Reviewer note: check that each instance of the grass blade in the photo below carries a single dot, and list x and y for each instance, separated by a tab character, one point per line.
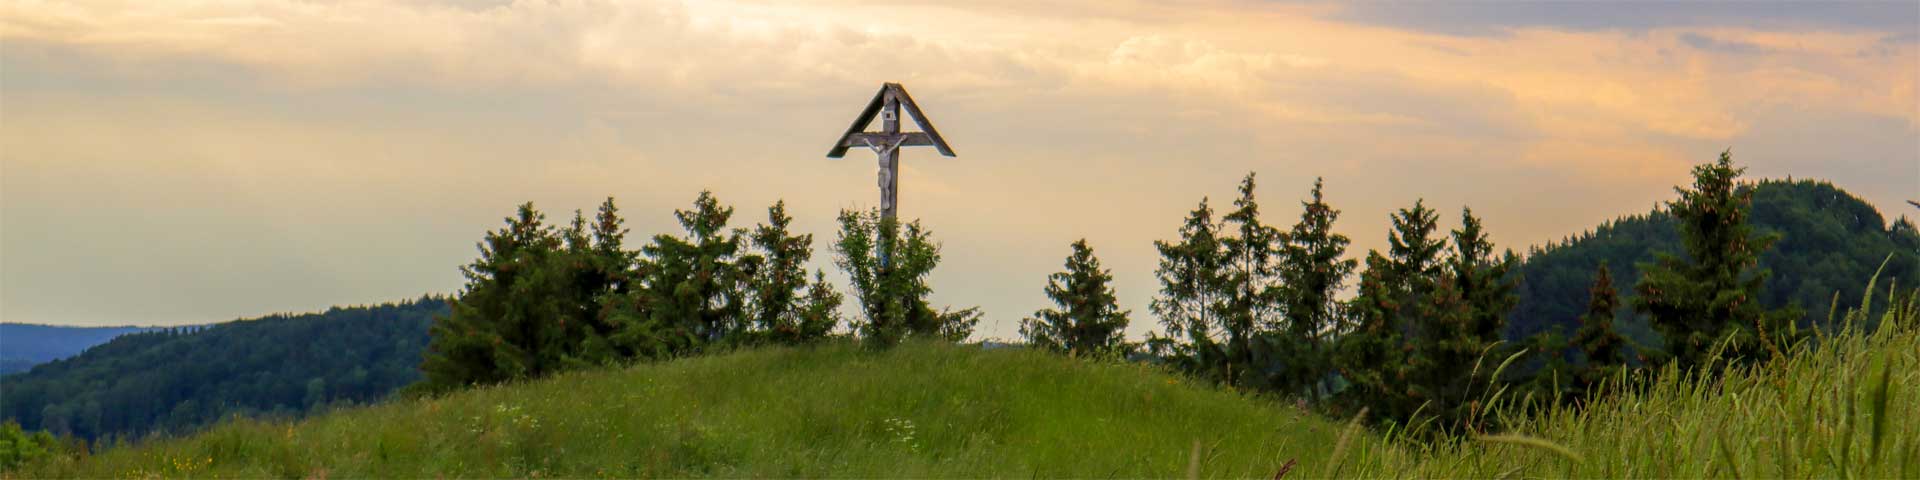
1532	442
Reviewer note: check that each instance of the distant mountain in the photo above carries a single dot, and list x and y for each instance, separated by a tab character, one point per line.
178	379
23	345
1830	242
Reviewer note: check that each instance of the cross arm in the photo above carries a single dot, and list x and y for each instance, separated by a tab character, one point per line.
907	139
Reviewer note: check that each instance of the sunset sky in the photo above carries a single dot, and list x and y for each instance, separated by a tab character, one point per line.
192	162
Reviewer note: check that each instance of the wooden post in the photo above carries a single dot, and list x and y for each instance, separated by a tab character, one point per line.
890	159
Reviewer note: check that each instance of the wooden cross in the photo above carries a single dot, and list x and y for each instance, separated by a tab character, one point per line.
887	142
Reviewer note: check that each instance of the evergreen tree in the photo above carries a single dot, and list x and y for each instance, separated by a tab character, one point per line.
1189	305
1251	291
592	267
1711	295
819	311
779	282
492	331
533	303
1395	291
1457	329
1482	278
1603	349
1313	269
1600	350
1369	354
1089	321
693	284
1415	254
609	276
893	293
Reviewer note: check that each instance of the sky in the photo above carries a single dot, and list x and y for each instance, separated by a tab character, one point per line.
166	163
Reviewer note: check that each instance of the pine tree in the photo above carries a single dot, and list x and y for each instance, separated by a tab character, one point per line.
1712	295
1313	269
1189	304
1088	320
893	295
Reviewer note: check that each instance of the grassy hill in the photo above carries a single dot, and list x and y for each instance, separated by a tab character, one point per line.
942	410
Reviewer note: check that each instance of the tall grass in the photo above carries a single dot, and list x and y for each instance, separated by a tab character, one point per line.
1842	407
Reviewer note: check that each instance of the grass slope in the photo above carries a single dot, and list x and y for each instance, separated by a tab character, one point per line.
1847	409
918	410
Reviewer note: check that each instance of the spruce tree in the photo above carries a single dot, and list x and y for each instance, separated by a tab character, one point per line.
779	280
1088	320
693	284
1313	269
492	330
1603	349
1189	305
819	310
1459	325
609	276
1711	295
1369	353
1415	254
1395	290
1482	278
1251	293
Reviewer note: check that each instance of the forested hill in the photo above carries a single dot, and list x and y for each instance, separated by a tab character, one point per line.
24	345
178	379
1829	241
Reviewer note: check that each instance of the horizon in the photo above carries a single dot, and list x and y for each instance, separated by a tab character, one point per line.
177	164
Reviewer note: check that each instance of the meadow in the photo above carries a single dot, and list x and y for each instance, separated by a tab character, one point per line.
1839	407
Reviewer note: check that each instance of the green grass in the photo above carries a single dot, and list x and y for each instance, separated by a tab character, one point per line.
953	411
918	410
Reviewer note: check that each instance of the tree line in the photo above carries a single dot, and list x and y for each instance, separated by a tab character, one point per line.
543	298
176	380
1829	241
1434	326
1254	306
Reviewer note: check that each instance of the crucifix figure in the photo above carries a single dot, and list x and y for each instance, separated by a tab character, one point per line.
886	143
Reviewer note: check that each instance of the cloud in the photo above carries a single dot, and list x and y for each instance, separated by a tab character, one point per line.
1502	18
299	130
1704	42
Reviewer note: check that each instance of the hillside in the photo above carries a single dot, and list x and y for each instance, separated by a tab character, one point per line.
918	410
175	380
1829	241
961	411
24	345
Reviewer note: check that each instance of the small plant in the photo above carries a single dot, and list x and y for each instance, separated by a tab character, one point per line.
901	431
18	446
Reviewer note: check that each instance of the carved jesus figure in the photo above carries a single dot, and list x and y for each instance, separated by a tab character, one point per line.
886	185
